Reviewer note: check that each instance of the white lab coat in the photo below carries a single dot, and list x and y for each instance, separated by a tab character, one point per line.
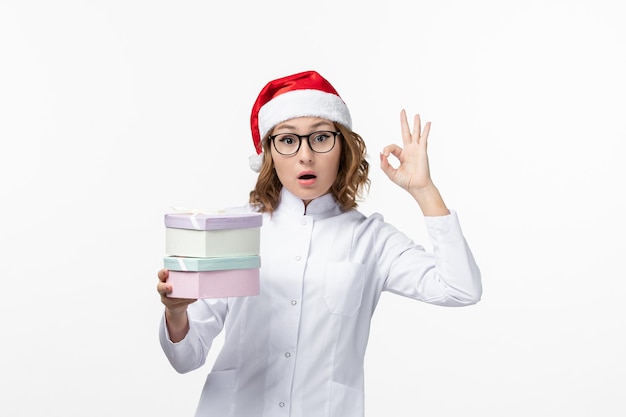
297	349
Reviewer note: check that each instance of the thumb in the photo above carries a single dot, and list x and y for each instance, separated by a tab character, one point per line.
163	274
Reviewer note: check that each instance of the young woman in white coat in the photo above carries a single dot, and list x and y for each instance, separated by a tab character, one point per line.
298	348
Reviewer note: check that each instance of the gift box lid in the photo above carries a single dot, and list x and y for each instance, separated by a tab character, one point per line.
181	263
213	221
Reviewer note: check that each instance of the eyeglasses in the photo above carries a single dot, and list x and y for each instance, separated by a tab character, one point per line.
289	143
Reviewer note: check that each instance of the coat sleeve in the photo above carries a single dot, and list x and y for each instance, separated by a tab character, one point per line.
206	321
448	276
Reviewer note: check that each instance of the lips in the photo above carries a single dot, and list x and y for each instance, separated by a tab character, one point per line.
307	178
307	175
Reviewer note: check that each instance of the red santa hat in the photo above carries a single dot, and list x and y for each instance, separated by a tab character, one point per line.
305	94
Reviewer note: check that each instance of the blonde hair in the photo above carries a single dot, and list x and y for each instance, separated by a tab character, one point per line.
351	184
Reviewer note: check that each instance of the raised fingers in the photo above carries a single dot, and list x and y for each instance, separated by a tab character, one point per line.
404	126
417	128
417	135
423	137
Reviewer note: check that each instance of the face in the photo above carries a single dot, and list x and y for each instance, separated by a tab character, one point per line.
307	174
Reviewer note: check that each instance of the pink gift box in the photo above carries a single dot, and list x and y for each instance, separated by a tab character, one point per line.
214	284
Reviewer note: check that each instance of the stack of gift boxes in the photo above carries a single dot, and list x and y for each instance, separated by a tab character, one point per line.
213	255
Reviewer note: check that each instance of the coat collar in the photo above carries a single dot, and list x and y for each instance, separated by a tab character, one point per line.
319	208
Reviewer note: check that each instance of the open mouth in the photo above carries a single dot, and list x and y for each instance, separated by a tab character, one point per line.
306	177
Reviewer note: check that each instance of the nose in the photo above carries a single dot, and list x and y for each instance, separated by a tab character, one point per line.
305	154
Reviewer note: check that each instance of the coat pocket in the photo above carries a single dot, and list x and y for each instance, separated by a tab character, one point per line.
344	287
224	379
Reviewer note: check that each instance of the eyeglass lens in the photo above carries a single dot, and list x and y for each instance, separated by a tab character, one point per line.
289	143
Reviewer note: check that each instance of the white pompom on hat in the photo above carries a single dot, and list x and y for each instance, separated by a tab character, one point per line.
305	94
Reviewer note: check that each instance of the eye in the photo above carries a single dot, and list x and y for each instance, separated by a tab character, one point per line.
287	139
321	137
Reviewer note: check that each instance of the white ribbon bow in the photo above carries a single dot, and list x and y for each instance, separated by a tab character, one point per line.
194	212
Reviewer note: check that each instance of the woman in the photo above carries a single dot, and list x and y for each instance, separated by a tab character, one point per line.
297	349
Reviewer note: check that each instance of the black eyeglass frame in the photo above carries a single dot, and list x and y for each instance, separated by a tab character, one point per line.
308	141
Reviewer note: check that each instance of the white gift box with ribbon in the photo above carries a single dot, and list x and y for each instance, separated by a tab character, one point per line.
212	234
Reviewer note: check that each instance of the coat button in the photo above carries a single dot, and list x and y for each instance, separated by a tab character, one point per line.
281	404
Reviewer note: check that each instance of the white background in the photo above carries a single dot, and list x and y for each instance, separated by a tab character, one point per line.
111	112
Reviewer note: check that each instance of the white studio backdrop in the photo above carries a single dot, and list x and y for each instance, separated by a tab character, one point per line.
112	112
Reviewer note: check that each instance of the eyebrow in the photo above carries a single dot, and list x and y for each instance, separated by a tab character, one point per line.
313	126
